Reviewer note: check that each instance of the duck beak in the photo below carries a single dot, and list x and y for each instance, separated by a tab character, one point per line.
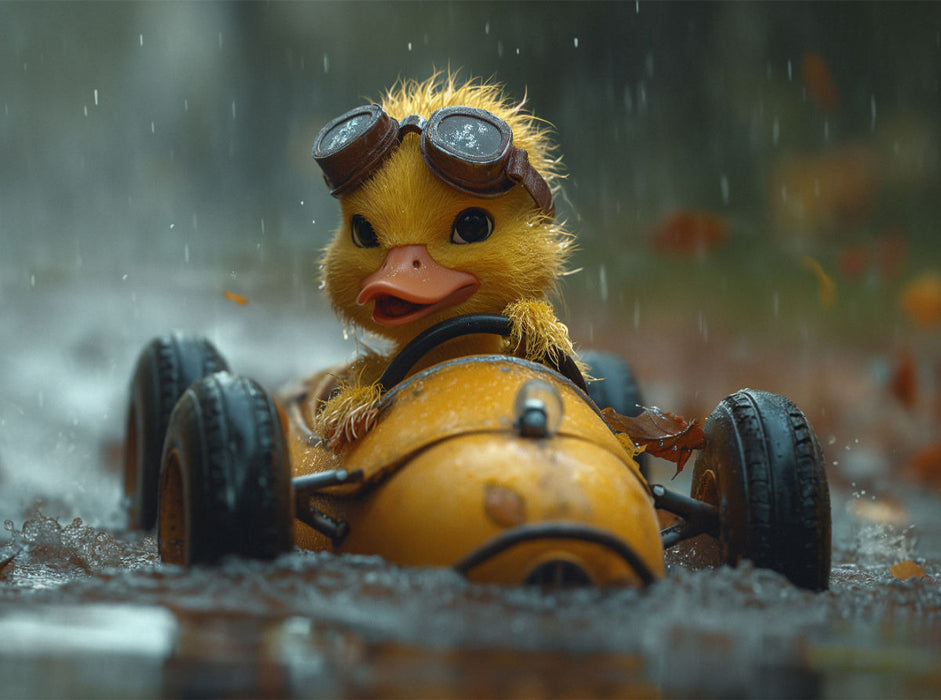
411	285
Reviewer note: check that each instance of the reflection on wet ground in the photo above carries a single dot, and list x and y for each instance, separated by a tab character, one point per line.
75	593
320	625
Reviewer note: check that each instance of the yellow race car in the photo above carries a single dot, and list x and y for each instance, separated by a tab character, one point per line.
501	468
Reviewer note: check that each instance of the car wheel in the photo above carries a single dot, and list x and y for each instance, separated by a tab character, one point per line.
225	481
616	387
165	368
763	468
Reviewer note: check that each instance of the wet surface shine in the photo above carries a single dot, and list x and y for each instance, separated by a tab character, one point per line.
77	591
320	625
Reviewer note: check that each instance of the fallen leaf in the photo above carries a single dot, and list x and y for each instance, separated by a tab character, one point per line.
854	262
819	83
904	381
826	287
824	193
661	434
689	232
925	465
237	298
921	299
907	569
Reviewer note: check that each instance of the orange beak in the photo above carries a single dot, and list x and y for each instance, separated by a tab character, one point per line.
411	285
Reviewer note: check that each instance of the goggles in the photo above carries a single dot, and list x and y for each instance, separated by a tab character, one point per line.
468	148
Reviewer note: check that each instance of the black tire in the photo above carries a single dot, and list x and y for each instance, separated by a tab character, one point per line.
225	478
165	368
616	388
763	467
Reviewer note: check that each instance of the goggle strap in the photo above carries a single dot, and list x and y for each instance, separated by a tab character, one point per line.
520	170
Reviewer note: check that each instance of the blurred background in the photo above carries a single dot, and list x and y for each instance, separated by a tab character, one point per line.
755	188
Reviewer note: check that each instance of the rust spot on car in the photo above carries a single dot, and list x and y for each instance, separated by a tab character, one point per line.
504	506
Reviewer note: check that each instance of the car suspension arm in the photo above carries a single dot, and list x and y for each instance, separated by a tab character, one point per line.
698	517
310	484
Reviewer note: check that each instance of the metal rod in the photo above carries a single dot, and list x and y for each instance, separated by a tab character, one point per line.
699	517
335	529
311	483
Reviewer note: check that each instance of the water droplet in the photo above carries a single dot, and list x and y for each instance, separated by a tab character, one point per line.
410	46
575	42
487	28
141	37
724	188
95	92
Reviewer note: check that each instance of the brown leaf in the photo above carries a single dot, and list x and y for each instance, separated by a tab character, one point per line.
661	434
904	380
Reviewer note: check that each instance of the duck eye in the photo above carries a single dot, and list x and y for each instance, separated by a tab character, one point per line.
363	234
472	225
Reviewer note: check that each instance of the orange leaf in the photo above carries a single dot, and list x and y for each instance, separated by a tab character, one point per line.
921	299
660	434
237	298
907	569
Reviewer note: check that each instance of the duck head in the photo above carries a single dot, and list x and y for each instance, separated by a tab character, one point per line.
413	248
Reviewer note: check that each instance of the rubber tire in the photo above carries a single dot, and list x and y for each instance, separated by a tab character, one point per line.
165	369
617	388
763	467
225	478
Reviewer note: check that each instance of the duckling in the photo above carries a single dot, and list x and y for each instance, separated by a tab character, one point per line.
422	239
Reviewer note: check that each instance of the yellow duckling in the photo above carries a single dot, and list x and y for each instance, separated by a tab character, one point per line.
446	199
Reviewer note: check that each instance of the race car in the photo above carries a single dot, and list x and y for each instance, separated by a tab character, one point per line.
504	469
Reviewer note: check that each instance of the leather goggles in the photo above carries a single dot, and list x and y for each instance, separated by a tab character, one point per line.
468	148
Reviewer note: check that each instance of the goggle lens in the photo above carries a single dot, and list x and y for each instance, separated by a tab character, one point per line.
344	133
469	137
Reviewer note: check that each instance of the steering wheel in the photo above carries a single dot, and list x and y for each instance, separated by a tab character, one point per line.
454	328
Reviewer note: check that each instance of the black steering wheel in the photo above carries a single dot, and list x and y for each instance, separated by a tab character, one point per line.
454	328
